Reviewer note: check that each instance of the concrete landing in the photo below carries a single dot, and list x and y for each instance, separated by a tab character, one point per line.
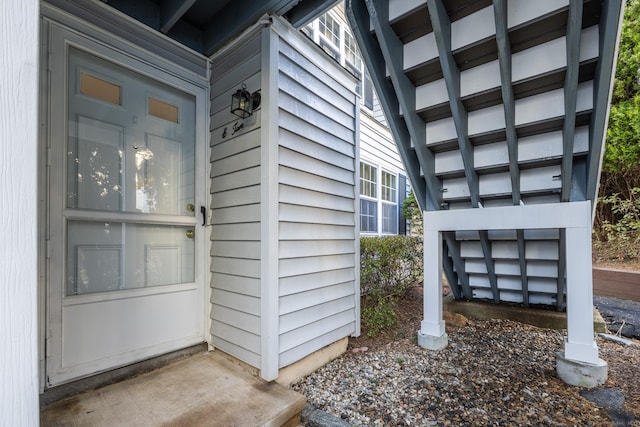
205	389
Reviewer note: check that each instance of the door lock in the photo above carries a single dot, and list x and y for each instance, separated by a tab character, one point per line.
191	207
190	234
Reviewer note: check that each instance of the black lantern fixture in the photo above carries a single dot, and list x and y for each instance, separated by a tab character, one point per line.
243	103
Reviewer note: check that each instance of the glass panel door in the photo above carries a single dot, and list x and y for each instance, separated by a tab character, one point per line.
127	260
130	149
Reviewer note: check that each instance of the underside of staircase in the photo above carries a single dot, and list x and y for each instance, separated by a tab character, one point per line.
494	104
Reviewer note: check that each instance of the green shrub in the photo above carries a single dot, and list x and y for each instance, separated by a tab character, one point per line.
389	266
379	314
618	239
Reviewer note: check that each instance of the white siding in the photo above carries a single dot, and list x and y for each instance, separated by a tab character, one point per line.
317	212
284	230
377	145
235	207
18	210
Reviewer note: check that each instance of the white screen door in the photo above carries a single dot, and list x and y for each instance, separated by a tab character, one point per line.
126	276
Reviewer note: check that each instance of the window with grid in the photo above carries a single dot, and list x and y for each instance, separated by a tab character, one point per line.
389	195
351	52
368	208
368	180
389	187
330	28
368	216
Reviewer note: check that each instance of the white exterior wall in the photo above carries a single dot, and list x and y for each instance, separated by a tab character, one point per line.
377	147
236	207
18	213
317	157
285	260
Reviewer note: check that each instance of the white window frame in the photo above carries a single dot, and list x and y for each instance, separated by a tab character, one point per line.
326	43
384	202
365	183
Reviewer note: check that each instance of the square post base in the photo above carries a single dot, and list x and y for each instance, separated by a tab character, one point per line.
431	342
581	374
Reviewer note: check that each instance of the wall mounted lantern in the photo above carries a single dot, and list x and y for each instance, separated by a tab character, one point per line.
243	103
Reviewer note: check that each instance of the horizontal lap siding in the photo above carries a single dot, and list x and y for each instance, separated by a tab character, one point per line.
377	145
235	208
317	189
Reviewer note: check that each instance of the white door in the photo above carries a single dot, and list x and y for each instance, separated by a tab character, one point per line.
127	246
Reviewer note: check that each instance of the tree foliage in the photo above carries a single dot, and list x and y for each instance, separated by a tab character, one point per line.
617	226
623	135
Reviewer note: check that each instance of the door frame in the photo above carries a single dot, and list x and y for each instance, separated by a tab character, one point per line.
124	53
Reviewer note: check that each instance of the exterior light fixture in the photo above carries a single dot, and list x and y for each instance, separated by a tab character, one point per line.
243	103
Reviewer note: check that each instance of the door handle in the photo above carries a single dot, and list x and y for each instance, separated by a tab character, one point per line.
203	211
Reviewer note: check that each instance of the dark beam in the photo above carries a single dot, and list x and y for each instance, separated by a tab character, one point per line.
574	30
523	267
171	11
454	251
450	274
393	52
508	101
370	50
442	31
488	260
609	27
307	10
508	98
237	16
562	269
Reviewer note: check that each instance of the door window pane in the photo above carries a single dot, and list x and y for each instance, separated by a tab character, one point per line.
112	256
100	89
119	156
163	110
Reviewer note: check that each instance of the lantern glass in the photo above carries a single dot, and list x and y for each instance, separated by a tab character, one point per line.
241	103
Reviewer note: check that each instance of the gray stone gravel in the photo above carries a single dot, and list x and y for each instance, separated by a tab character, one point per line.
494	372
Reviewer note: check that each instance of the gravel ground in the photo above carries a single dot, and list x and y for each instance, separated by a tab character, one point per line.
495	372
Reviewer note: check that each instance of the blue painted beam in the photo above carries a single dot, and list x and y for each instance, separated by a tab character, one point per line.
392	51
522	261
307	10
454	252
171	11
442	31
359	21
237	16
449	272
609	27
500	13
562	270
574	31
508	98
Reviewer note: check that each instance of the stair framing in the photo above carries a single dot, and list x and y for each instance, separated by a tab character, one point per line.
498	109
495	104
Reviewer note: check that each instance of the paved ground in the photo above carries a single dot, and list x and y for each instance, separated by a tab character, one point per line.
623	315
202	390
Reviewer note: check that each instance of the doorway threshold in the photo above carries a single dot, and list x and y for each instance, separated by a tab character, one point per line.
203	389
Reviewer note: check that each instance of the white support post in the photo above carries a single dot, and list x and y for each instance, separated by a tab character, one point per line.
579	364
579	344
432	333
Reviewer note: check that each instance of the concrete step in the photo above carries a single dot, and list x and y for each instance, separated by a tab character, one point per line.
205	389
